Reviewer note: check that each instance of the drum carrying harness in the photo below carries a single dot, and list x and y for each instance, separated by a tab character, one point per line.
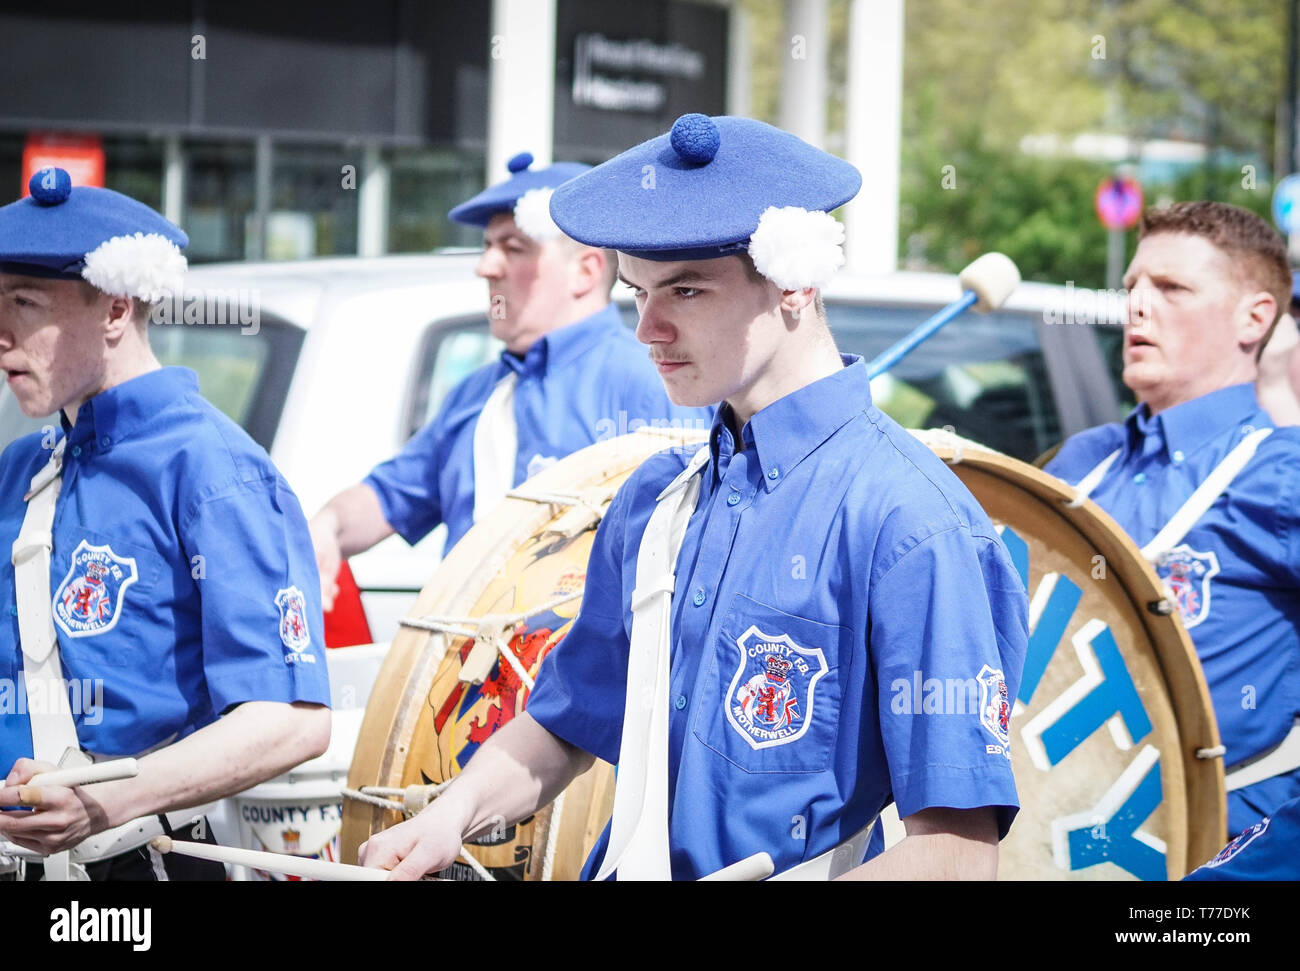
1285	756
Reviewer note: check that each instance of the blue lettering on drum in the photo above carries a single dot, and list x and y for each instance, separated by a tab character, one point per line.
1105	695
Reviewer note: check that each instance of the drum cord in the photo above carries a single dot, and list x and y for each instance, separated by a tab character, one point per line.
490	629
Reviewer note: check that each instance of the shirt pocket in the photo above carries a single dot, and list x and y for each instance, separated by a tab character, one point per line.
104	600
772	693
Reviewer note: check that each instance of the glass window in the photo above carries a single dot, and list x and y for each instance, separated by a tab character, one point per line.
312	214
452	350
984	375
424	185
219	198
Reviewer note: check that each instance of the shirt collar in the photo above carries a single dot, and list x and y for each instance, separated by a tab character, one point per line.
564	344
1188	426
117	412
789	429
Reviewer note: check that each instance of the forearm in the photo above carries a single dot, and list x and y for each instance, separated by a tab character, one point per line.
256	741
517	771
941	844
355	518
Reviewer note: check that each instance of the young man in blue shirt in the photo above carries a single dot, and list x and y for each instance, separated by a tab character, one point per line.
1207	285
571	374
752	606
162	577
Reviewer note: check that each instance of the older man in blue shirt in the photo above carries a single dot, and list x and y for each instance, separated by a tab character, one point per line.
1207	285
571	374
752	606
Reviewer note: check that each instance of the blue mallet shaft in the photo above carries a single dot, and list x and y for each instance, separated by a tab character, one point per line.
887	359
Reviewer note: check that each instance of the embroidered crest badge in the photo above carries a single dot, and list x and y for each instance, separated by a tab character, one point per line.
995	709
770	700
1243	840
90	598
1188	574
293	625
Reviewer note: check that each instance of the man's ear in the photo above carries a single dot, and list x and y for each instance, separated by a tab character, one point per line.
1255	316
589	270
797	302
120	316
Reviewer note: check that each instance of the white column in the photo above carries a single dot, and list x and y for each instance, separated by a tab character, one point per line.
738	55
372	203
874	109
803	81
173	186
521	83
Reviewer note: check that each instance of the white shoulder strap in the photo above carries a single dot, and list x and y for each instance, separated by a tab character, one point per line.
1204	497
1093	479
638	841
54	733
496	442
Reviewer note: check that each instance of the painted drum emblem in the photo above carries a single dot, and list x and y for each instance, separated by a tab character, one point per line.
770	701
293	622
89	600
1188	575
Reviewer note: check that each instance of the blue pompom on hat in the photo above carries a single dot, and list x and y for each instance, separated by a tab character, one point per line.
60	231
503	196
699	191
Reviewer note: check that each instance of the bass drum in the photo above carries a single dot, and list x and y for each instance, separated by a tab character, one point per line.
464	662
1114	743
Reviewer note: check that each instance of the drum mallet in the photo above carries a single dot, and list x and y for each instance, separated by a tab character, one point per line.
295	866
986	284
756	867
29	793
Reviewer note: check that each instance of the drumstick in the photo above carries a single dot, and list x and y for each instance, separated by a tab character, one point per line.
293	865
756	867
986	283
29	792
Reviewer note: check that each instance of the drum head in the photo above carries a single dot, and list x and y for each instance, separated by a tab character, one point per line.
1112	706
424	720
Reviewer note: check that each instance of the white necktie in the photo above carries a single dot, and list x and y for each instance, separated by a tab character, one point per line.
638	838
495	445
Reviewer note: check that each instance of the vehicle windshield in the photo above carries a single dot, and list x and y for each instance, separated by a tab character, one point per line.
983	375
244	374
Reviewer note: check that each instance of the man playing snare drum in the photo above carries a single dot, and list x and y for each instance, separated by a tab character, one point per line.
1208	283
820	552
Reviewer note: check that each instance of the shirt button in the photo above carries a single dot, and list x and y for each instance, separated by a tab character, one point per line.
13	611
1178	456
1140	478
76	450
105	442
774	473
680	702
733	499
699	597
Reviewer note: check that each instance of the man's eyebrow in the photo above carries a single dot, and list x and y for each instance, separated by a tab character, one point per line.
677	279
38	285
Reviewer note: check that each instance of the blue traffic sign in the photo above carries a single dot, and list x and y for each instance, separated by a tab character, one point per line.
1286	205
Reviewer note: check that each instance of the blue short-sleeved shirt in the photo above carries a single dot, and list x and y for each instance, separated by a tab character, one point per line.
1267	850
831	566
1237	572
578	385
183	577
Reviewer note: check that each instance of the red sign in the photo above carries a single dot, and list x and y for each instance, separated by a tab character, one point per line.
1119	203
82	156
